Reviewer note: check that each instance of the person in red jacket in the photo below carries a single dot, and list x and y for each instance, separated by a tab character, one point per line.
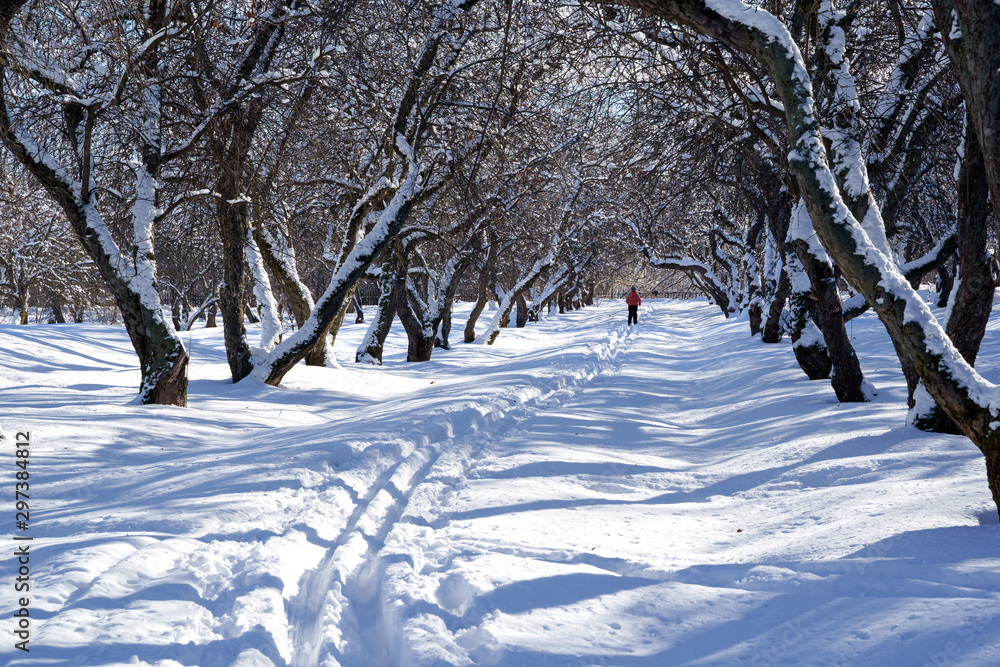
633	302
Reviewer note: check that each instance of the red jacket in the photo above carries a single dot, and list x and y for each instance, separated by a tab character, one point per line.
633	299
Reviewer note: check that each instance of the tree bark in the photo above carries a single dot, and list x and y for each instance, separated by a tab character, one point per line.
250	315
847	378
973	298
771	333
756	315
21	305
521	318
778	217
442	326
444	329
330	335
359	312
807	338
974	51
483	294
993	473
754	291
419	345
57	313
232	217
391	281
482	299
947	283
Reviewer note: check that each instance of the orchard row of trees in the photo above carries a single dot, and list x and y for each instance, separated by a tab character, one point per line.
227	154
272	154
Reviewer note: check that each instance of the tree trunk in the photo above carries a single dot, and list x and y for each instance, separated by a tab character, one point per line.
330	335
21	305
973	298
778	216
521	318
57	313
419	345
232	219
993	472
811	353
469	335
359	311
771	332
444	329
250	314
973	301
163	359
946	282
847	379
419	339
756	318
419	348
807	339
390	283
974	52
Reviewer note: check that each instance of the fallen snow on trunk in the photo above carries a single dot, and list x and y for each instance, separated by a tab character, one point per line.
580	493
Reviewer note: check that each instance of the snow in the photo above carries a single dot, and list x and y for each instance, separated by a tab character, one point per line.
579	493
923	405
810	336
800	228
956	31
270	329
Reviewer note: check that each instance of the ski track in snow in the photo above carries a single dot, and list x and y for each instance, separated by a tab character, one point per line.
581	493
354	563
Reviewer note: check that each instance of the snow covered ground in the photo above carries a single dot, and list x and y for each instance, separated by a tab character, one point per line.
579	493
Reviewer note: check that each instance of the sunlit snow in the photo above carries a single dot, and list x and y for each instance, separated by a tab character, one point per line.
579	493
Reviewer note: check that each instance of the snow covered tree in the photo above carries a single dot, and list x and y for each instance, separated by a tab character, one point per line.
965	396
415	158
85	119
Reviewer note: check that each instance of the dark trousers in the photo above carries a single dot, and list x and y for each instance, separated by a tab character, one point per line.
633	314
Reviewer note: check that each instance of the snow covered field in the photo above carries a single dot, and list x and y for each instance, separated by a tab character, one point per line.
577	494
